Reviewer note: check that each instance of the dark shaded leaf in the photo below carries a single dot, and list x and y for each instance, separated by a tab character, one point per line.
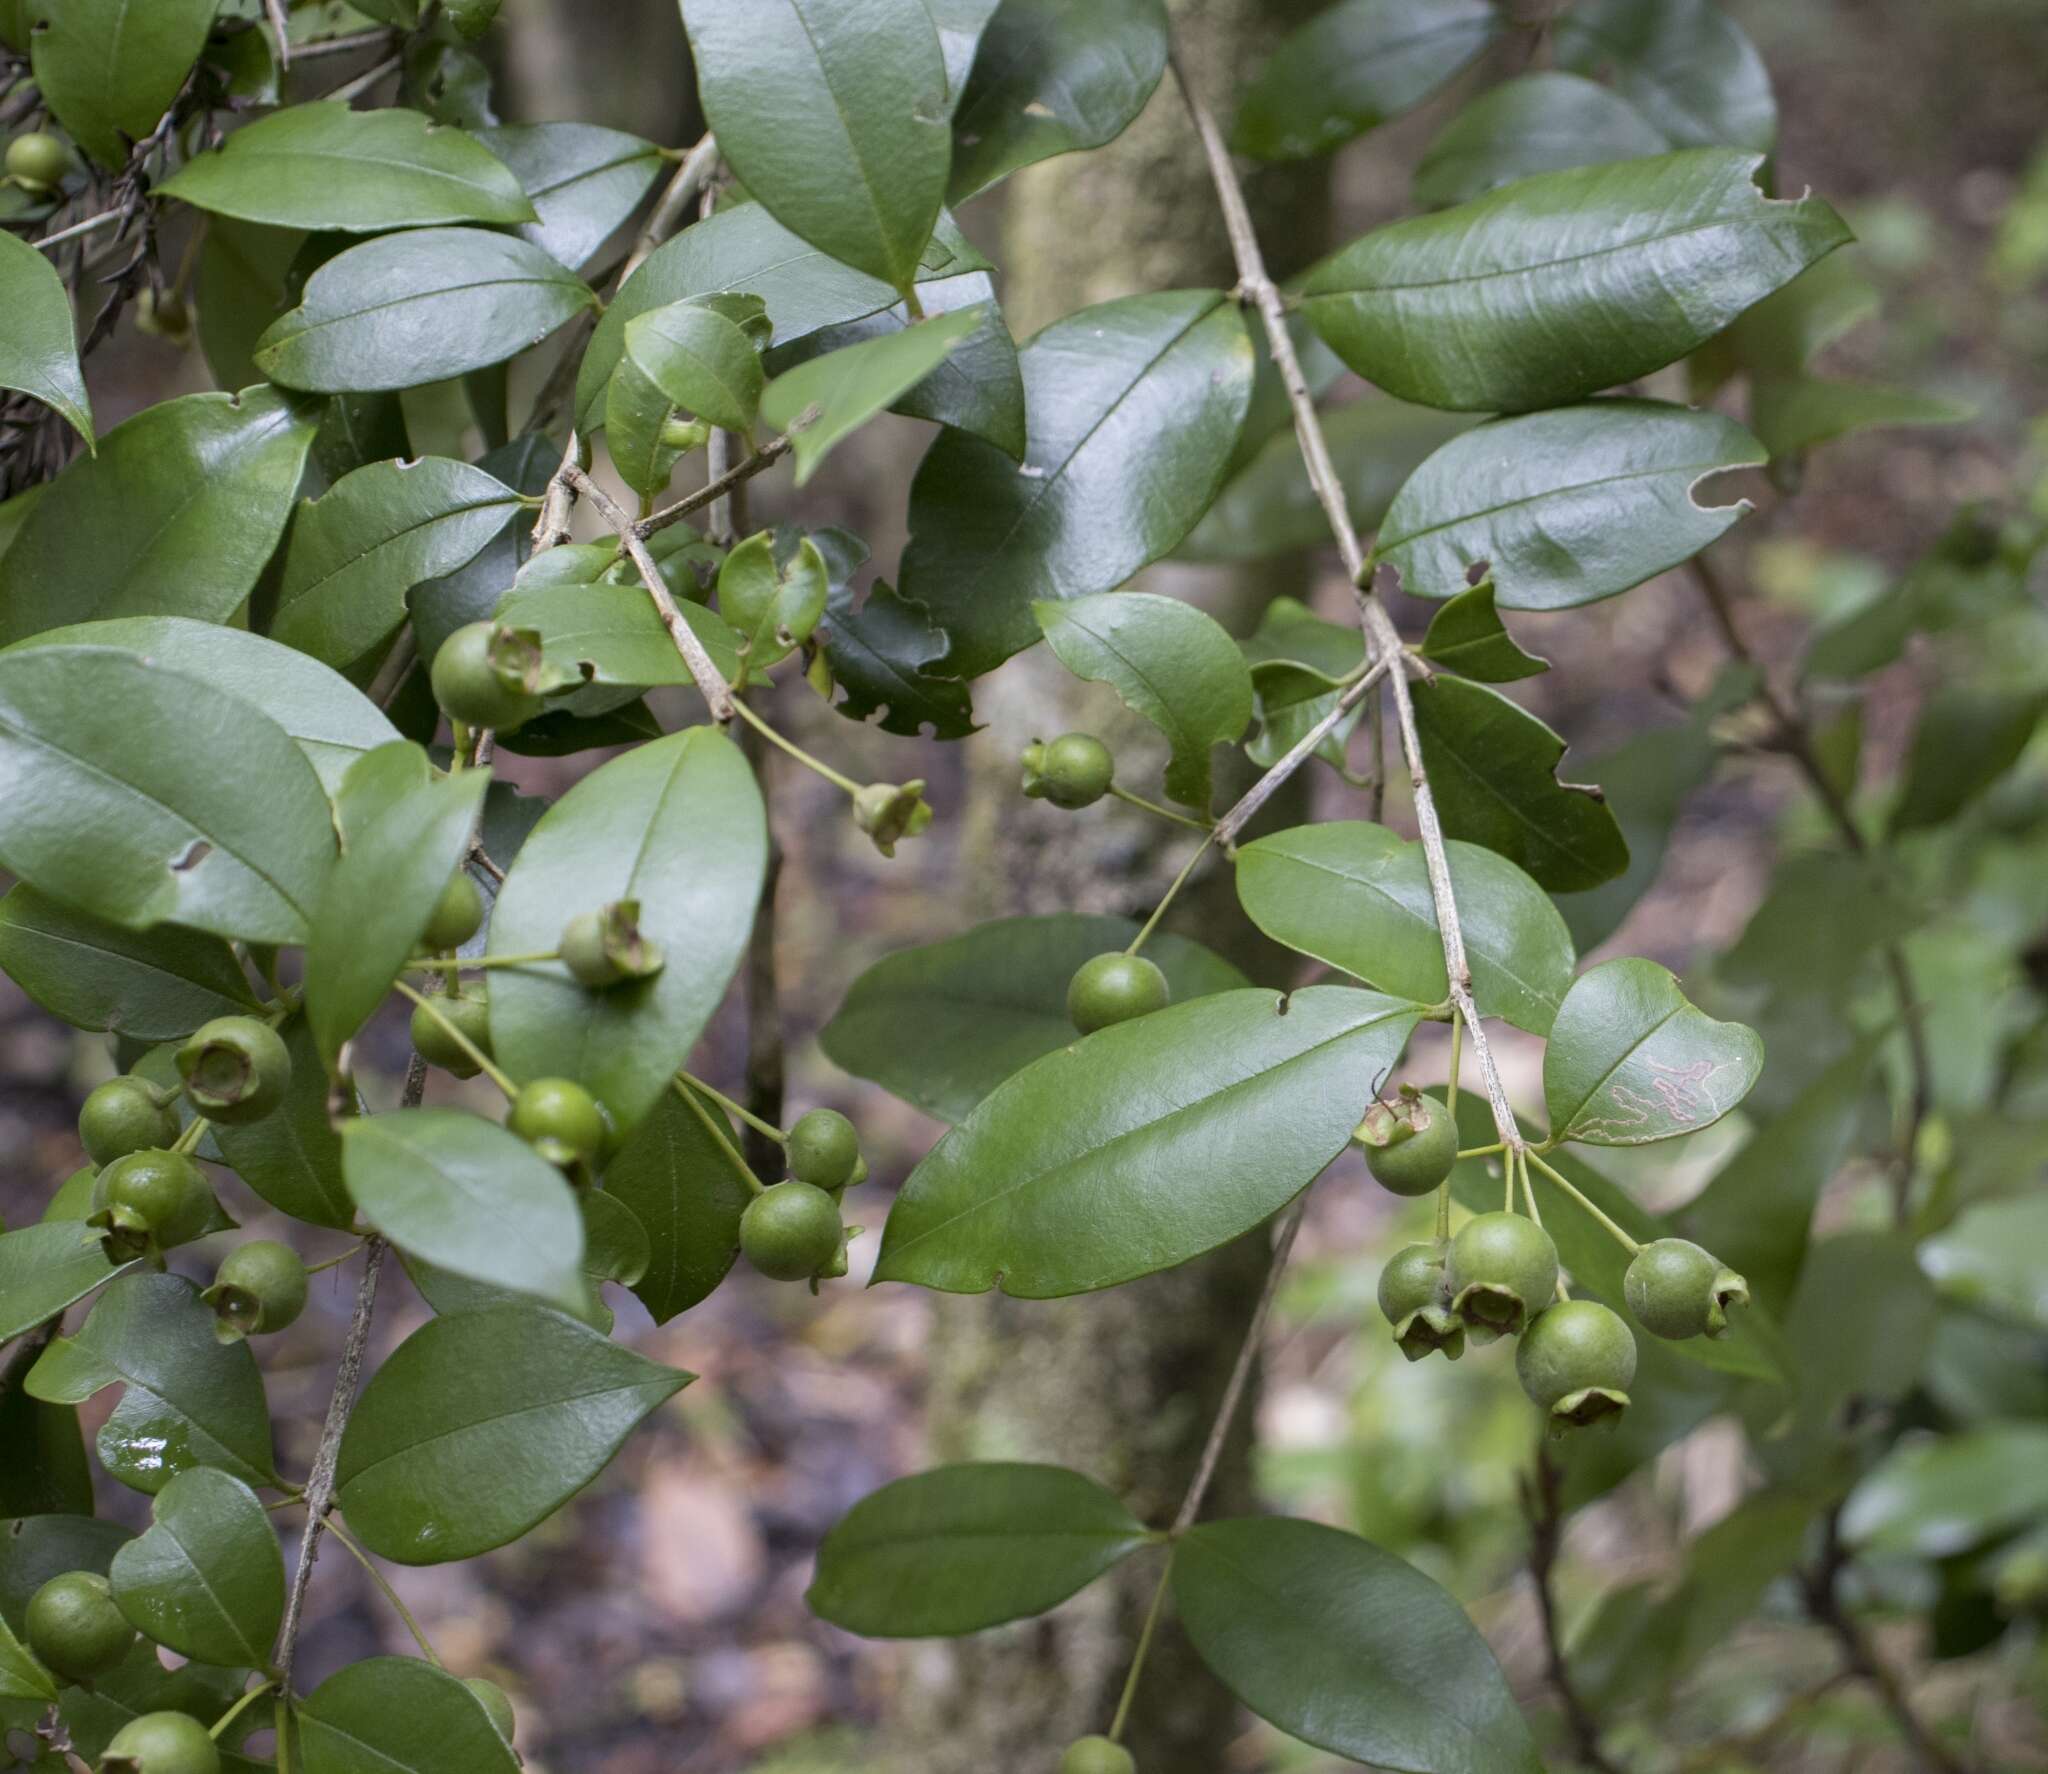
1540	122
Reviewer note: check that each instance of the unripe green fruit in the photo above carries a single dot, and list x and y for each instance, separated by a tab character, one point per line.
74	1626
1415	1295
150	1200
163	314
1113	988
560	1120
473	688
471	1013
823	1149
37	160
495	1702
161	1743
1503	1272
790	1231
603	947
236	1070
1411	1148
125	1115
260	1286
458	913
1677	1290
1072	771
1097	1755
1576	1361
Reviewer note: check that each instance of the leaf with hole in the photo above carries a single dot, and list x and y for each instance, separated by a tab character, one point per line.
1468	637
206	1579
773	605
609	634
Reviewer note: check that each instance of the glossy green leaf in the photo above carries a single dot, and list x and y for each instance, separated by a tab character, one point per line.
942	1025
1355	65
1133	406
1967	737
1934	1498
1565	507
188	1399
93	739
701	360
959	24
141	1684
610	634
481	1425
471	593
398	1715
417	307
583	182
880	651
1493	766
39	355
207	1578
1144	1144
683	1190
1468	637
1685	64
1793	414
293	1158
109	69
1535	123
21	1676
772	604
1167	661
324	166
677	825
176	516
1631	1061
963	1548
1050	77
1295	654
468	1196
636	420
1559	286
1357	896
1348	1648
853	154
44	1268
828	398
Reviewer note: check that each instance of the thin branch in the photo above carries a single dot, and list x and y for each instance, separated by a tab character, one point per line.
90	225
274	11
713	490
342	45
1248	804
766	1067
690	177
1542	1504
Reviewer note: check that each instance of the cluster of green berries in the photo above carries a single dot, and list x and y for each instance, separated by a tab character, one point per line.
792	1230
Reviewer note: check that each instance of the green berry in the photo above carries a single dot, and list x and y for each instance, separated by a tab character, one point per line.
236	1070
889	812
162	314
471	1013
1097	1755
260	1286
125	1115
1074	770
150	1201
1113	988
479	676
1411	1145
495	1702
560	1120
74	1626
37	161
823	1149
1503	1272
603	947
161	1743
1576	1361
790	1231
1415	1295
1677	1290
458	913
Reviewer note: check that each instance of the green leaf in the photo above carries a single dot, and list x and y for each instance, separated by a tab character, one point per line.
326	167
1967	737
773	605
206	1579
687	1197
701	360
1994	1258
93	740
942	1025
878	651
157	985
39	355
1467	636
464	1194
1934	1498
1348	1648
1167	661
1535	123
1357	896
582	181
398	1715
21	1676
109	69
47	1471
1565	507
677	825
1133	407
1295	654
610	634
1793	414
1685	64
406	309
1144	1144
636	418
176	516
829	397
1631	1061
141	1684
481	1425
46	1267
1051	77
379	900
1559	286
188	1399
1493	766
1354	66
964	1548
853	154
292	1158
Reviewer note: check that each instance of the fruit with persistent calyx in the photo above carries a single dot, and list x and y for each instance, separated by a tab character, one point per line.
236	1069
125	1115
1097	1755
1072	771
823	1149
1503	1272
75	1628
1410	1145
470	1013
1576	1361
260	1286
891	811
603	947
458	913
37	161
791	1231
495	1702
1677	1290
149	1201
483	675
560	1120
1415	1295
161	1743
1113	988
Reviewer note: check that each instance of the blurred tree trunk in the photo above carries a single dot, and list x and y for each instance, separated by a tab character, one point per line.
1123	1384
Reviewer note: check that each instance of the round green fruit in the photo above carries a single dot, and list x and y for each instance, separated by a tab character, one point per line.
472	688
1503	1272
1415	1295
125	1115
790	1231
603	947
1097	1755
470	1013
1072	771
458	913
161	1743
162	314
1113	988
823	1149
74	1626
495	1701
151	1200
38	161
560	1120
236	1070
1420	1146
260	1286
1677	1290
1576	1361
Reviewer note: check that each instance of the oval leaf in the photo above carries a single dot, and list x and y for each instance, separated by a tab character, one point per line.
610	634
681	1187
398	1715
701	360
1684	63
109	69
46	1267
207	1578
582	181
773	605
1932	1499
1541	122
39	354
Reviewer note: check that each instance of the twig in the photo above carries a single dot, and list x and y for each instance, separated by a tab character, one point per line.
344	44
690	178
712	491
1542	1504
274	11
350	90
766	1070
1248	804
90	225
